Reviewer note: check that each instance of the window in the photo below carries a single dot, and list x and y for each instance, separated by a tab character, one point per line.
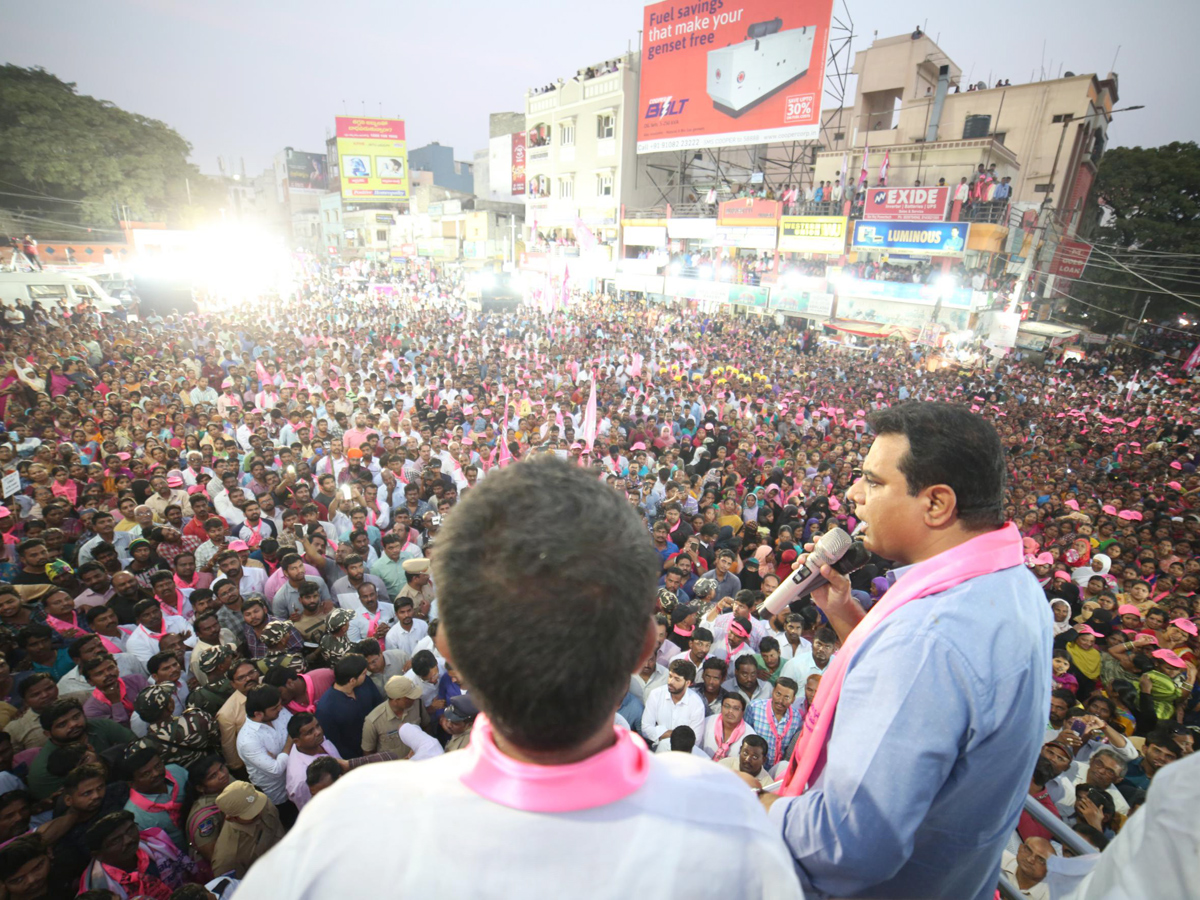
47	291
381	235
999	136
605	126
1063	117
1043	188
566	134
839	136
566	189
604	185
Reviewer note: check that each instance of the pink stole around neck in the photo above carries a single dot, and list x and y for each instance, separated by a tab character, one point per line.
606	777
982	555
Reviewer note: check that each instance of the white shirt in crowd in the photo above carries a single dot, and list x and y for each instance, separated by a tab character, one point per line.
662	714
143	645
708	741
260	745
399	639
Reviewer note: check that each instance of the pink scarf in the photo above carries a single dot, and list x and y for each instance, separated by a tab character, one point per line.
990	552
599	780
723	745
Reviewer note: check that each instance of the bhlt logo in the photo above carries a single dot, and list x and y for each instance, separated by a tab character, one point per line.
662	107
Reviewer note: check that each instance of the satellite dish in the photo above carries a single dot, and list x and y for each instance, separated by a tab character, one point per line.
1068	74
981	86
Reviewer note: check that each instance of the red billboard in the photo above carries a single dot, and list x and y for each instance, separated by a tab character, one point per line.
720	74
1070	259
921	204
748	212
518	163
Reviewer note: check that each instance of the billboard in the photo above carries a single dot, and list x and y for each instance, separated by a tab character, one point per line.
906	292
518	163
721	73
306	171
911	203
1070	259
818	304
812	234
373	158
939	238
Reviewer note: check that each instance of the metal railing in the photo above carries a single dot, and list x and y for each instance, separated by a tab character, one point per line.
1061	832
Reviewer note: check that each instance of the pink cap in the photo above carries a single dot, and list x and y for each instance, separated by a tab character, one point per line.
1063	575
238	545
1128	609
5	511
1170	657
1086	629
174	479
196	489
1186	625
638	446
1175	485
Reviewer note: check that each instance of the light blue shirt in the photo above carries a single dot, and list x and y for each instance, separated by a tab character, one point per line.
939	724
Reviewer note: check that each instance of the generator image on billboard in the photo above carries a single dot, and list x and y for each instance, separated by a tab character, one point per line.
728	73
743	75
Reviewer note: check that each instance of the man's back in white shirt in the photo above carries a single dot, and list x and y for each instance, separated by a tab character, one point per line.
642	845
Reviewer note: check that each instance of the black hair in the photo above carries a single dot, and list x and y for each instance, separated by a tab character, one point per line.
154	663
348	668
734	695
683	738
298	721
826	635
260	699
767	644
526	558
714	663
319	768
35	679
684	669
701	634
950	445
278	676
367	647
789	683
20	852
756	740
56	711
104	826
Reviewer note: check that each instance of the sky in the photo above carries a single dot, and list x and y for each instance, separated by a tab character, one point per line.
244	80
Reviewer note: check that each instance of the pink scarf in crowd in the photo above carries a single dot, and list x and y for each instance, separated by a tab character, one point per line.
990	552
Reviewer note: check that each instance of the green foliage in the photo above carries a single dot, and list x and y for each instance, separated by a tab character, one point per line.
92	155
1145	202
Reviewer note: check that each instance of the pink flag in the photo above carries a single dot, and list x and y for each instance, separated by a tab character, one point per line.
1193	360
589	417
566	278
264	377
862	175
883	169
1133	386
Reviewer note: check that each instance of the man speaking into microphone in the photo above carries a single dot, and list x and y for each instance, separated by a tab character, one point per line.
909	774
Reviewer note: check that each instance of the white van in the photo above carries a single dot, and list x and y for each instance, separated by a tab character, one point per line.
52	290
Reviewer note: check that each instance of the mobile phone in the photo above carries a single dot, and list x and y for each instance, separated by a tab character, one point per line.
298	530
345	491
1078	727
291	470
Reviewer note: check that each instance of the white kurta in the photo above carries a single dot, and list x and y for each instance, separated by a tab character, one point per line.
643	845
708	743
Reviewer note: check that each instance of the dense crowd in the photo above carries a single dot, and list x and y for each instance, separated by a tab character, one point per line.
216	595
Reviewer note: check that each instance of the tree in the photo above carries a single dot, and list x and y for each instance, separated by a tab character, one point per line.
1145	216
69	157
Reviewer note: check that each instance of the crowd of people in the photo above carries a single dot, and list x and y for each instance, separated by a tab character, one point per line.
216	594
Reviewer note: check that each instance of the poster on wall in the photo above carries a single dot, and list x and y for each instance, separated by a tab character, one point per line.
723	73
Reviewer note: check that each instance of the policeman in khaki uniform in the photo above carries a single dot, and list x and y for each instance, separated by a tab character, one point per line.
402	706
251	828
457	720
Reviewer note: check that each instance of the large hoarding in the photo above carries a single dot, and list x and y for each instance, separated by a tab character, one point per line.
306	171
1070	259
717	73
926	204
938	238
372	158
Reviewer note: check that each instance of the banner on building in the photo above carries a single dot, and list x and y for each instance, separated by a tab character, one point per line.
812	234
1070	259
748	211
926	204
518	163
721	74
938	238
372	158
306	171
749	295
907	292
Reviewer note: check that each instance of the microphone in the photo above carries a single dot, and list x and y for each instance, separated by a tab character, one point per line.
837	549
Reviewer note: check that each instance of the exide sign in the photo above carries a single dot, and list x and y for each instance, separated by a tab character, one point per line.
907	203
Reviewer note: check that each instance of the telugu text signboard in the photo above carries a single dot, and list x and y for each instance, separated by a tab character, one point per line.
716	73
372	158
910	203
